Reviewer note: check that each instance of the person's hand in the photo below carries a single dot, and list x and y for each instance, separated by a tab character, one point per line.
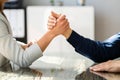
52	23
109	66
52	20
26	45
57	23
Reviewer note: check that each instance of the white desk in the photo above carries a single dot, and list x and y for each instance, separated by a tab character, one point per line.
48	68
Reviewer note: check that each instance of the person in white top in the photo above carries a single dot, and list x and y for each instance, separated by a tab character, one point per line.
24	55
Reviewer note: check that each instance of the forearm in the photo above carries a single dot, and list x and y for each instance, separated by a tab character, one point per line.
95	50
45	40
83	45
15	53
67	33
42	42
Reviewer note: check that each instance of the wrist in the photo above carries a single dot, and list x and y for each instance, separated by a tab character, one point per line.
51	34
44	41
67	33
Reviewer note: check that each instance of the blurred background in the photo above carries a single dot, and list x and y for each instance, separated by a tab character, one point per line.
107	19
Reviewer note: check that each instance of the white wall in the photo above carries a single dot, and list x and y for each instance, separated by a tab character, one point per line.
47	2
106	12
107	17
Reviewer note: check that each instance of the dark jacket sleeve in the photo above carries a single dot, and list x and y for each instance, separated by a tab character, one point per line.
96	50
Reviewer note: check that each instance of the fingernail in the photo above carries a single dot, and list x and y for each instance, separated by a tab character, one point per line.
96	69
92	68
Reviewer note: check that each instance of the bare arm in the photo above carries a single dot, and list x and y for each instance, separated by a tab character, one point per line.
62	26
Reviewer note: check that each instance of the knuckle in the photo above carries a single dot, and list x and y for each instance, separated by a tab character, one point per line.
63	15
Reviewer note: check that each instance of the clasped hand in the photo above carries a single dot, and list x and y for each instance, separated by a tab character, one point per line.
59	24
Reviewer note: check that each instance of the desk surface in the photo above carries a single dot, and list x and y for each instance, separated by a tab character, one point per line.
48	68
28	74
88	75
56	69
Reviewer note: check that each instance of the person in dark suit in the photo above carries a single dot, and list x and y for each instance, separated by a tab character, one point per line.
98	51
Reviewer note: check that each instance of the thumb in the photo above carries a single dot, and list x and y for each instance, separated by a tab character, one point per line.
55	15
29	44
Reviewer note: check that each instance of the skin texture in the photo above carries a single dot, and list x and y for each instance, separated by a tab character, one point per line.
109	66
52	24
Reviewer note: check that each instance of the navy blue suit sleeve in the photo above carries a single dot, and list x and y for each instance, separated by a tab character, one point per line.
96	50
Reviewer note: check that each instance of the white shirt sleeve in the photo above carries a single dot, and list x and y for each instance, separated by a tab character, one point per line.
13	51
